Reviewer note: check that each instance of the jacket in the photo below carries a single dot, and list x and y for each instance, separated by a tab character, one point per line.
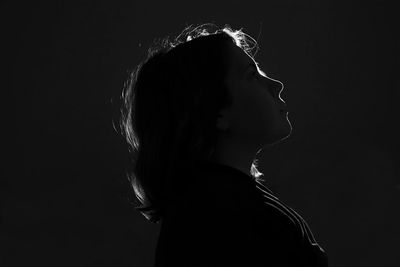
227	218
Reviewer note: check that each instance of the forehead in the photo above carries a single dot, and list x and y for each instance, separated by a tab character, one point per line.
238	59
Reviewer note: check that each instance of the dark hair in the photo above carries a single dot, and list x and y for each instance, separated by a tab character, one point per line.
170	106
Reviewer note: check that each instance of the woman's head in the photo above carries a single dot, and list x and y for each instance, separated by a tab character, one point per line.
172	108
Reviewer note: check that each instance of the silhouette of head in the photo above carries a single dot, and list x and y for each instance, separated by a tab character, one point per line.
187	96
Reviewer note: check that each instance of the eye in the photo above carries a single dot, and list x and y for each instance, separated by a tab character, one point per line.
256	74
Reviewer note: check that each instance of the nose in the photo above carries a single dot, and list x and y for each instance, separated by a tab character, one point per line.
276	87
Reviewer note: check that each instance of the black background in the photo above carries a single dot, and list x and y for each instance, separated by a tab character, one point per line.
65	195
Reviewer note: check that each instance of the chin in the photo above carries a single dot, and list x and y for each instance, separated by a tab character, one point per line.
288	129
285	132
282	131
279	137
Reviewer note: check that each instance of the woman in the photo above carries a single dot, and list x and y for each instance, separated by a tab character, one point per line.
196	113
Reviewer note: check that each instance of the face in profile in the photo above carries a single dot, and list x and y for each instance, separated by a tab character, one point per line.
257	114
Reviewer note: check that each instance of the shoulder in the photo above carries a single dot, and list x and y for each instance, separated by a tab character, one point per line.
271	219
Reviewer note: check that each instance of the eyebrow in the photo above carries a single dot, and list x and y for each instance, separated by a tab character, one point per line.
255	66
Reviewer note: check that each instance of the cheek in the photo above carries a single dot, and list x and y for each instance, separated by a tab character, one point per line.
255	110
261	104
